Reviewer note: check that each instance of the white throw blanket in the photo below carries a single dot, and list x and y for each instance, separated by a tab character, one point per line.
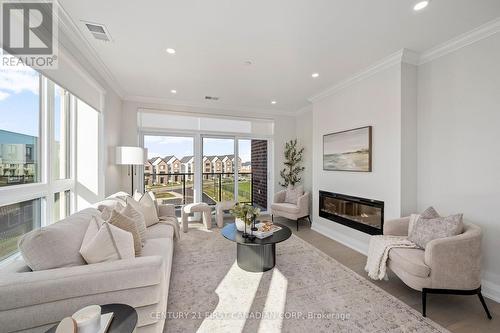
171	220
378	253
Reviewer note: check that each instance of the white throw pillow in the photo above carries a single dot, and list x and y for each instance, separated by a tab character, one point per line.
292	194
106	243
147	207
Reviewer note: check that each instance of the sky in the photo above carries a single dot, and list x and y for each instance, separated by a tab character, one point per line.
183	146
19	100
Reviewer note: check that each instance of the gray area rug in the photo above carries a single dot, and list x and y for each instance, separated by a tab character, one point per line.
307	291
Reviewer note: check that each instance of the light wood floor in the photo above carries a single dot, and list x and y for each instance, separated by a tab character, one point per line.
461	314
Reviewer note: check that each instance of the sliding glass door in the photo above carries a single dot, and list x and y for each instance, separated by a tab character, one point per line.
218	170
169	170
221	168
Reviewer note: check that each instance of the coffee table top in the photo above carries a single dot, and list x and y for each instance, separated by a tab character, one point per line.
124	318
230	232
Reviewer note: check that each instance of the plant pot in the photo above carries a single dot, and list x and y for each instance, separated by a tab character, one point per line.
240	224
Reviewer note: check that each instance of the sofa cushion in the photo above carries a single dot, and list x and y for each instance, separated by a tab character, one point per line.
158	247
126	223
429	213
108	243
425	230
147	207
138	218
159	230
109	205
285	207
292	194
411	260
58	244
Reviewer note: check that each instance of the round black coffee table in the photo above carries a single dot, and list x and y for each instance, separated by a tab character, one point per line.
258	255
124	318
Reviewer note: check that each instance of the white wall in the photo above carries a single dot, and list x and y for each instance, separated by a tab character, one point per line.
458	142
284	130
374	101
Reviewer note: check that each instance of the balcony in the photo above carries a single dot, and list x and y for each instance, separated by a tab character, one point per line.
178	188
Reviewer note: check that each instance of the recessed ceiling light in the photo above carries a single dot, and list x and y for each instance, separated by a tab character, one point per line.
315	75
273	102
170	51
173	91
421	5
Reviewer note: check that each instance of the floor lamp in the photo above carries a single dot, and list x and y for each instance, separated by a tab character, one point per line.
130	156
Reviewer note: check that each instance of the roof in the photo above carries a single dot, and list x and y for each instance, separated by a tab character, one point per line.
186	159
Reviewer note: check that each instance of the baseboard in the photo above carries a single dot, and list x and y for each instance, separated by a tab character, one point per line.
489	289
342	239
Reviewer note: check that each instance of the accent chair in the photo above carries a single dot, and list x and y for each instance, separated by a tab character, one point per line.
450	265
289	210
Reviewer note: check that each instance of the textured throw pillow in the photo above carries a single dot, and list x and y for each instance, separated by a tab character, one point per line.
147	207
425	230
138	218
429	213
108	243
126	223
292	194
58	244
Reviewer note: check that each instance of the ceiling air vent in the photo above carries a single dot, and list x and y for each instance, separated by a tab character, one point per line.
212	98
98	31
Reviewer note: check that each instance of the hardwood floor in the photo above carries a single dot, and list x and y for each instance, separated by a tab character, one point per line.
460	314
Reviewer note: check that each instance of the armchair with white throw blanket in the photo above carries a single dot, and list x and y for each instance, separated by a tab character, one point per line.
443	265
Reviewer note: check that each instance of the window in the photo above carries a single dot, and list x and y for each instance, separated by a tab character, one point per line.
61	205
19	126
37	153
16	220
176	186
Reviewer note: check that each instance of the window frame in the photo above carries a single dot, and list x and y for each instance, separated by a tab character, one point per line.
47	186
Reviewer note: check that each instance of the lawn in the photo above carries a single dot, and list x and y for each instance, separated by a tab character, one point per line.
211	189
8	246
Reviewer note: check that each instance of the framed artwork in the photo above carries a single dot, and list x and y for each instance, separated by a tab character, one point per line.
349	150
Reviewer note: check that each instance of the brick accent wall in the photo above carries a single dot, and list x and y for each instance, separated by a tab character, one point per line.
259	173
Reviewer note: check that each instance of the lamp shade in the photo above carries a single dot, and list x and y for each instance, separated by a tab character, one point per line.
130	155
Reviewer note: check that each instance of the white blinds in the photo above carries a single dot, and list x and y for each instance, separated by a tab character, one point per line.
155	120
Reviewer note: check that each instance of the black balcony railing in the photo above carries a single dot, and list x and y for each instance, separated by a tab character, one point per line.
178	188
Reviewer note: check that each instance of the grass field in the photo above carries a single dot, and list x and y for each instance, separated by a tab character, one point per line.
8	246
212	190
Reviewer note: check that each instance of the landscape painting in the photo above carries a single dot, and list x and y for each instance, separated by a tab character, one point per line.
348	150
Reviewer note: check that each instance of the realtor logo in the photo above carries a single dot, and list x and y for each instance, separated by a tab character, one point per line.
29	33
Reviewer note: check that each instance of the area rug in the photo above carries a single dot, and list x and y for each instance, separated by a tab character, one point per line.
307	291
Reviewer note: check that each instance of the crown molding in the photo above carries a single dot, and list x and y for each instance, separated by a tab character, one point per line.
205	105
402	56
304	109
461	41
74	34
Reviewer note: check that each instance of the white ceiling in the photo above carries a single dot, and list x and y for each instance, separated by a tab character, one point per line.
287	40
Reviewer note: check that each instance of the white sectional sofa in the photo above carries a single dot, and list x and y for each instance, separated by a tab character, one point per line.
32	301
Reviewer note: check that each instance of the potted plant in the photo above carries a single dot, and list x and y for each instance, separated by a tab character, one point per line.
244	214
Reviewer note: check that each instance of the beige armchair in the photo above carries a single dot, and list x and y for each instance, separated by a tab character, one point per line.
449	265
291	211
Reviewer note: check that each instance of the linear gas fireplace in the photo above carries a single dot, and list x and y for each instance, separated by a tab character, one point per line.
359	213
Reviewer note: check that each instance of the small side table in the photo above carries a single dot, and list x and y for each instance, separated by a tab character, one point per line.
124	318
